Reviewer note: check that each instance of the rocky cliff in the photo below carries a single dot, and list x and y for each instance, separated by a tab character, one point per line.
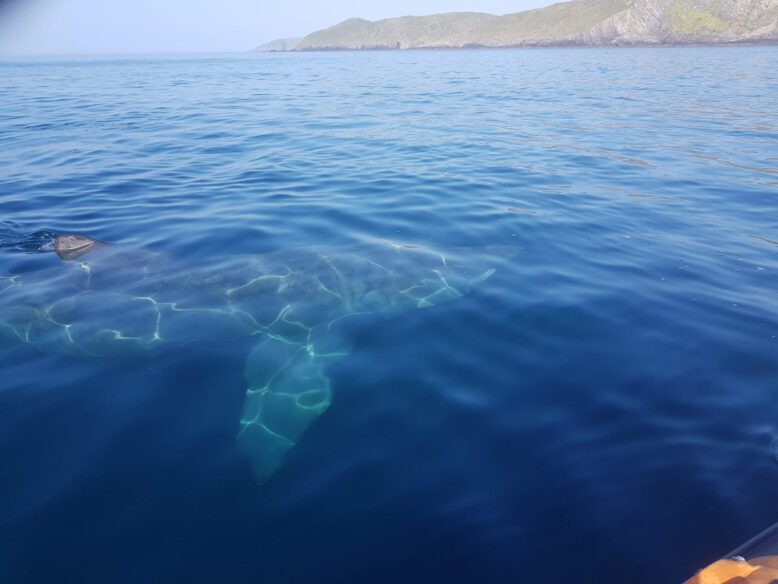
580	22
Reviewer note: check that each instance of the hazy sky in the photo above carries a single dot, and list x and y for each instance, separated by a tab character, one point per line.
45	27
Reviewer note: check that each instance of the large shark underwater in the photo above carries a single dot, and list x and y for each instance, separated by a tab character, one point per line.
294	308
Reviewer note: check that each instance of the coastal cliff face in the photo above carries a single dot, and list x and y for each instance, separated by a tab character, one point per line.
580	22
689	21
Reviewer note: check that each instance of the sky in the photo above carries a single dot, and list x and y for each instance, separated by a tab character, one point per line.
67	27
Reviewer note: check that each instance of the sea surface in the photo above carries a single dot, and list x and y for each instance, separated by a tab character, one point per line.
601	409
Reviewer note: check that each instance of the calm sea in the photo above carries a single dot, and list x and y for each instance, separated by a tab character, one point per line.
600	410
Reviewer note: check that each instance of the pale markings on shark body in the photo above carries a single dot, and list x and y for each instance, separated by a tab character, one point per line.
293	322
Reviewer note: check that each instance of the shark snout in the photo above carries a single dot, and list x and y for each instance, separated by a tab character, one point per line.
70	246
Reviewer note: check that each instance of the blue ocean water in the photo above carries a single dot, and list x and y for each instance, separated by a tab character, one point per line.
600	410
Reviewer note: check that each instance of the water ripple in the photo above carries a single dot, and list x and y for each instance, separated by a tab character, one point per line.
607	398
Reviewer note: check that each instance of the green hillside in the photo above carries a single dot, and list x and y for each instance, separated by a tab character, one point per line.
580	22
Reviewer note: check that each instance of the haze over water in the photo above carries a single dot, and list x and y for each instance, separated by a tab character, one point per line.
603	405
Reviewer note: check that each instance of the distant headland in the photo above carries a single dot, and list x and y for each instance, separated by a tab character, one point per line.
576	23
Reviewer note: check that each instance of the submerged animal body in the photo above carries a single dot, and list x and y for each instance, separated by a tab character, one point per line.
294	307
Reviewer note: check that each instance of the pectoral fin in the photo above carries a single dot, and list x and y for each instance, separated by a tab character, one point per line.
287	390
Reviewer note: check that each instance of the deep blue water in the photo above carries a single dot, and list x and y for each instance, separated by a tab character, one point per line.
600	410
